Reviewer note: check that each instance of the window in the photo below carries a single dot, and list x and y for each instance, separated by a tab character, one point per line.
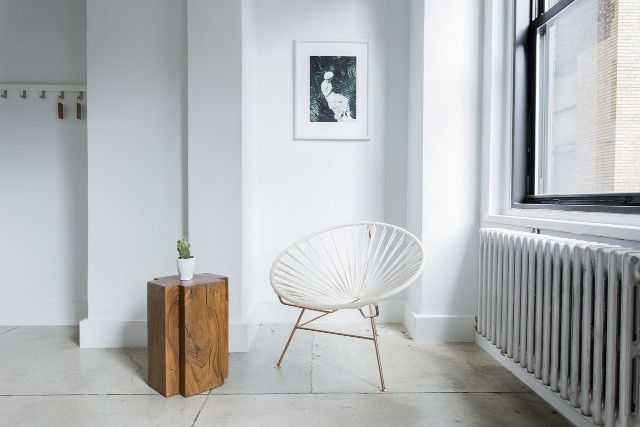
577	105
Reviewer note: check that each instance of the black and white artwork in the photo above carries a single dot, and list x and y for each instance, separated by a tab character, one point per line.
332	88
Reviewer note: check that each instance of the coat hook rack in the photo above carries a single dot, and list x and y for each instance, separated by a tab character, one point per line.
23	88
38	87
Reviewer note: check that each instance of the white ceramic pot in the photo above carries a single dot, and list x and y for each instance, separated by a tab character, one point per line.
186	268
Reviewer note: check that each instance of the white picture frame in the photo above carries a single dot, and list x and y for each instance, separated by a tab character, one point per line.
351	113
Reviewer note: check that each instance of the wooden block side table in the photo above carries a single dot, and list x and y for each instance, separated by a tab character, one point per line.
188	338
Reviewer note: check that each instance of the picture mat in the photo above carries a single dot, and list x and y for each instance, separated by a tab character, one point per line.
304	128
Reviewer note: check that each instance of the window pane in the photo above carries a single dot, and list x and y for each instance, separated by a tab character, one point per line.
548	4
588	114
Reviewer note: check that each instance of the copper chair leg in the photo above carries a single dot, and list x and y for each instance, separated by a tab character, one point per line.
290	337
374	337
375	341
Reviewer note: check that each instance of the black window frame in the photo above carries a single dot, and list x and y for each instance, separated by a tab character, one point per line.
527	22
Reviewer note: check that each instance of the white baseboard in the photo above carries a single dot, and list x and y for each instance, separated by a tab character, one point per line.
422	328
560	405
439	328
240	336
95	333
391	311
113	333
42	313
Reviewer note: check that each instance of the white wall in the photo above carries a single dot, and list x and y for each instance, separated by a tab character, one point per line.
43	41
215	147
136	76
296	187
42	166
444	306
251	188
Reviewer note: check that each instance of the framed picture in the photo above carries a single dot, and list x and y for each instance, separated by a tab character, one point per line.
331	90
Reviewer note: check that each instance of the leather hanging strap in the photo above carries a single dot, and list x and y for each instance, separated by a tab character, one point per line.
61	106
79	106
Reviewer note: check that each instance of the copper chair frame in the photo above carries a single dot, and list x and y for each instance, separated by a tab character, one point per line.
374	312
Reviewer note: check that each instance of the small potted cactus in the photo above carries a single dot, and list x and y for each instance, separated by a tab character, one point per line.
186	262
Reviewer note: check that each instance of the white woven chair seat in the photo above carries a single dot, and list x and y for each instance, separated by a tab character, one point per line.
347	266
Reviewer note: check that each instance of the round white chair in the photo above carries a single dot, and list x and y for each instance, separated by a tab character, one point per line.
348	266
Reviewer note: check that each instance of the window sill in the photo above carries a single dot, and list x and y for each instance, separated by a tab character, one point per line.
609	225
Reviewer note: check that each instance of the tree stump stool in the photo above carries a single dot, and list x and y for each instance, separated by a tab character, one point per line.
187	334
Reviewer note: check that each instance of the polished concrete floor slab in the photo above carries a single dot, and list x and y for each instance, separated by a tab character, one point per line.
5	329
407	366
391	409
47	360
46	379
99	410
255	372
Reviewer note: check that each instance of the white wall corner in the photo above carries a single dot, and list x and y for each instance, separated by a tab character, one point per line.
439	328
133	333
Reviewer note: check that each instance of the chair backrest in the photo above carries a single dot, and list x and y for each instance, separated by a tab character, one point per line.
347	266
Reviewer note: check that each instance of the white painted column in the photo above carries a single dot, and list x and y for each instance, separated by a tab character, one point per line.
444	189
215	148
136	80
415	139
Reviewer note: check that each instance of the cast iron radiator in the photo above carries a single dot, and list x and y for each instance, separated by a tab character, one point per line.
568	312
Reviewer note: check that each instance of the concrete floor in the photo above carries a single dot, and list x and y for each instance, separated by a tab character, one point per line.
45	379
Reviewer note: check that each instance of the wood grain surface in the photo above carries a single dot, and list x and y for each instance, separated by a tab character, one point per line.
163	338
188	334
